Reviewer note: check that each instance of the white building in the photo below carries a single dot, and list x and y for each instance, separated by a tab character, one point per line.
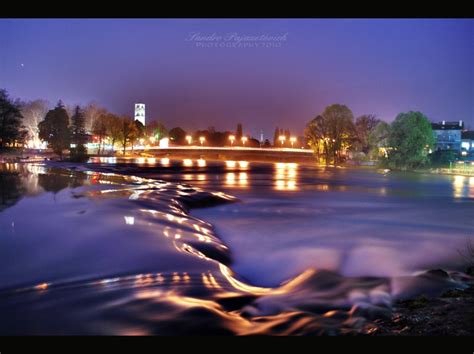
140	112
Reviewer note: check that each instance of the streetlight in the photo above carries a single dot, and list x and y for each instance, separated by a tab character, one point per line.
231	138
202	139
292	141
244	140
152	139
282	139
189	139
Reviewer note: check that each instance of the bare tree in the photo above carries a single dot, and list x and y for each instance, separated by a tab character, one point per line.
33	113
92	112
100	130
114	129
128	132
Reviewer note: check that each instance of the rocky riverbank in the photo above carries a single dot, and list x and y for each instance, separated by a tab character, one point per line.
450	314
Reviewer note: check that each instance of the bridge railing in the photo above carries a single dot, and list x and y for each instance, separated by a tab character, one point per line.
212	148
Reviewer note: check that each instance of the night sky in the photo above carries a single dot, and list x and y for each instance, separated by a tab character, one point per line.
381	67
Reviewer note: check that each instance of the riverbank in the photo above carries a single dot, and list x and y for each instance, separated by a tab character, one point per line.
451	314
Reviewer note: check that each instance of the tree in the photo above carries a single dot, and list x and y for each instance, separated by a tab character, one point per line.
156	130
177	135
55	129
332	133
276	136
410	140
238	133
315	133
442	158
378	140
10	120
78	130
114	126
364	125
33	113
100	129
139	130
127	132
78	136
91	113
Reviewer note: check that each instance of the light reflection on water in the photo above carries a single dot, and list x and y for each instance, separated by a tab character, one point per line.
463	187
189	283
286	176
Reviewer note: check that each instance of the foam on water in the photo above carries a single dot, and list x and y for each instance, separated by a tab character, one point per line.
100	253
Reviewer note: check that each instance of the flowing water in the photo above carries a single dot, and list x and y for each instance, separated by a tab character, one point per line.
156	246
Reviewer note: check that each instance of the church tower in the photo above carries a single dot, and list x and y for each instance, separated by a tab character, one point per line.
140	112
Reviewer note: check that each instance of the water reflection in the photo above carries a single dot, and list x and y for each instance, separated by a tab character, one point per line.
18	180
463	187
11	189
233	179
285	176
240	165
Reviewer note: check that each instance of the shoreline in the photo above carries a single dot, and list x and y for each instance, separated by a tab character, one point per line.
449	314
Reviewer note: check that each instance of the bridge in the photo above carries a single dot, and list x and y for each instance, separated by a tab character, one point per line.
229	153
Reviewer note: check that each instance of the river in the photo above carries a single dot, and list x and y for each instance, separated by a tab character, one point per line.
158	246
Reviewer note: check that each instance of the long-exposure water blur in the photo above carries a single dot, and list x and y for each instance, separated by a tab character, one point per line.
163	246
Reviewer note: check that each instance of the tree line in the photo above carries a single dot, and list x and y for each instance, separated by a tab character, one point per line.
335	136
69	128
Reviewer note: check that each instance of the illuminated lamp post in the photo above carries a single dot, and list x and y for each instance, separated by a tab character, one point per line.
282	139
244	140
202	140
292	141
189	139
231	138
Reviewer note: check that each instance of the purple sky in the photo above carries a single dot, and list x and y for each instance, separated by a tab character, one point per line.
381	67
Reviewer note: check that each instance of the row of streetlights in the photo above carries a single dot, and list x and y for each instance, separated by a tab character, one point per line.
232	139
282	139
244	139
202	139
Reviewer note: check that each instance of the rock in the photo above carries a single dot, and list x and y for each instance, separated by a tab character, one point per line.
439	273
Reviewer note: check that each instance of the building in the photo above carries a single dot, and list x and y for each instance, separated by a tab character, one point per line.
448	135
467	141
140	112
